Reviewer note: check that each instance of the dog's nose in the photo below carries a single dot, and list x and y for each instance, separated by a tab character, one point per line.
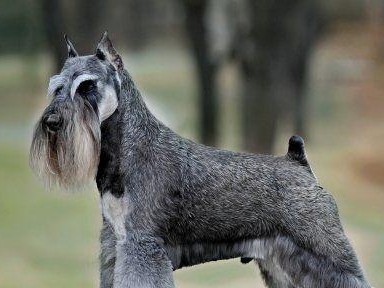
52	122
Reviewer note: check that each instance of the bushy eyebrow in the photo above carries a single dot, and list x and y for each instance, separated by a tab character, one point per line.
55	82
78	80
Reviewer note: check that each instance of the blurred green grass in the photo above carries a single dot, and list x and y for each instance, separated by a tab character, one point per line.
50	239
47	239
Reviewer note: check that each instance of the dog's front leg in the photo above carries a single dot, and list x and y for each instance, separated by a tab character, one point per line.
107	255
141	262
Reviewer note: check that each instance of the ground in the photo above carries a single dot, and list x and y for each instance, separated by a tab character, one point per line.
50	239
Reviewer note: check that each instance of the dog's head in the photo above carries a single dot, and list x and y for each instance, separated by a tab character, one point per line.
66	142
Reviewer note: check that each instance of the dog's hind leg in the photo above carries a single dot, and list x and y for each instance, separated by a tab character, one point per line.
107	255
141	262
305	269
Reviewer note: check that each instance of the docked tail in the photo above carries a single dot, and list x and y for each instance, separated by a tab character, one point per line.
296	152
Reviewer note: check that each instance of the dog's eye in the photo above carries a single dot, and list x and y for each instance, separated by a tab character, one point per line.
86	87
59	90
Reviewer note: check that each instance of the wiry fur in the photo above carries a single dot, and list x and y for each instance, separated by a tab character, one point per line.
182	203
69	157
204	204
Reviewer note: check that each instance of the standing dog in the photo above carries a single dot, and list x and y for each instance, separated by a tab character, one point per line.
168	202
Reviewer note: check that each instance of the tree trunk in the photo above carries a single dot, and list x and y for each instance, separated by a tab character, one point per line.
273	49
136	31
306	31
260	69
259	114
206	71
87	25
54	31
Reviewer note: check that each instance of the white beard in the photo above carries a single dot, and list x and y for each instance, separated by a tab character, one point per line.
70	157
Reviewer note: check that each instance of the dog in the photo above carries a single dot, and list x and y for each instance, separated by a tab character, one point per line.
168	202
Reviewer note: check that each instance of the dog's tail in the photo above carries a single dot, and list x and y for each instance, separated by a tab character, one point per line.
296	152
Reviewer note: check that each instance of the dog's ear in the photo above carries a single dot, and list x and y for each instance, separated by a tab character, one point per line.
71	50
106	51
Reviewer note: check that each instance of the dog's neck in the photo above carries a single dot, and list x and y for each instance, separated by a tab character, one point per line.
131	128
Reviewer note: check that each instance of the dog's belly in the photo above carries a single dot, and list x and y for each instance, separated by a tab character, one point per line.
193	254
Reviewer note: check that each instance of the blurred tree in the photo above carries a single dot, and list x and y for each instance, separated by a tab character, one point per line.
52	15
195	11
19	30
273	47
82	20
306	30
87	16
137	30
272	42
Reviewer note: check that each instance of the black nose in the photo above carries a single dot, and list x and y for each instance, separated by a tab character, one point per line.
52	122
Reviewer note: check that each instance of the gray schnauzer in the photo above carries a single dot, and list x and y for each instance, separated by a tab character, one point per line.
168	202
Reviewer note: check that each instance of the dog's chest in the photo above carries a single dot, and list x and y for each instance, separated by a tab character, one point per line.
115	211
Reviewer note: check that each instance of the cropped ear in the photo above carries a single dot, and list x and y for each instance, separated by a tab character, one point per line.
106	51
71	50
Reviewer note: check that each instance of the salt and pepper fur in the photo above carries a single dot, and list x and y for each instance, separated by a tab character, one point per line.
168	202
